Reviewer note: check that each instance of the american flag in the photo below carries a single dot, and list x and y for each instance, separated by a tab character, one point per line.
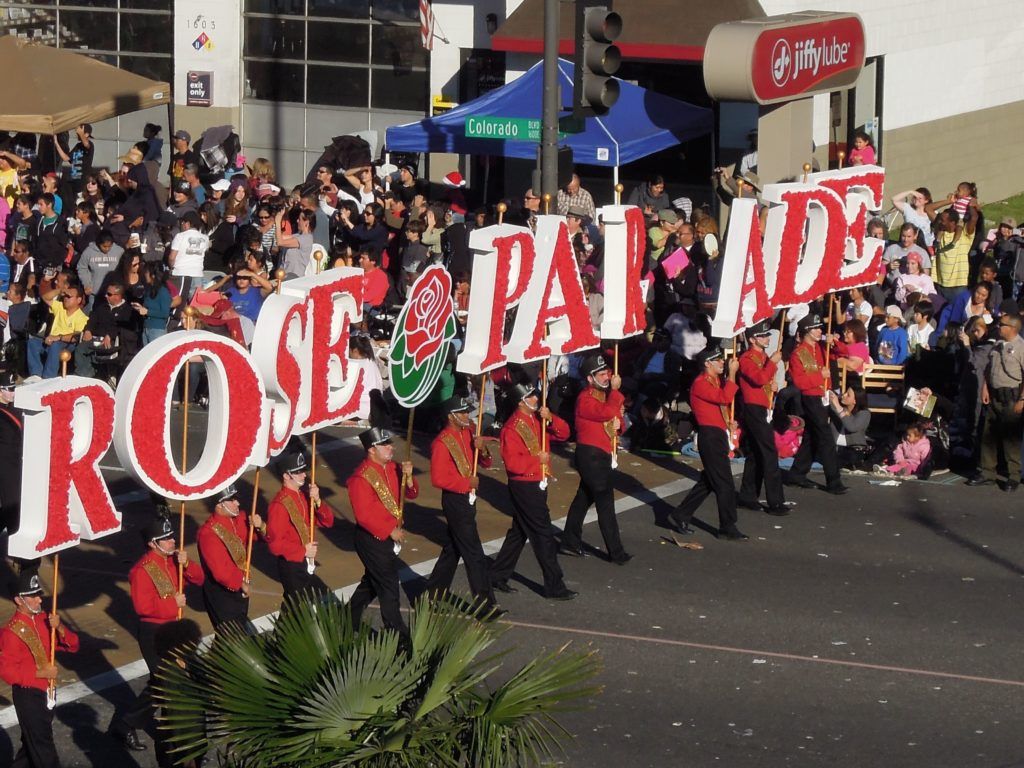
426	25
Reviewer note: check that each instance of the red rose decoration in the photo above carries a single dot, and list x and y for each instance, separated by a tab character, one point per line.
430	308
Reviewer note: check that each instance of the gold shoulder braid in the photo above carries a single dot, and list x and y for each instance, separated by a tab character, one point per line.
234	544
808	360
297	517
375	478
30	637
458	456
162	582
767	388
528	436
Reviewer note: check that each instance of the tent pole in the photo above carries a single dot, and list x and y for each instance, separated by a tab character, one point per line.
615	176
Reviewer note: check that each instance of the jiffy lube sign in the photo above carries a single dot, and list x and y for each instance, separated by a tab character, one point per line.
419	343
781	58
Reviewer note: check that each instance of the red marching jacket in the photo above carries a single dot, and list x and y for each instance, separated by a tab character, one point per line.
708	395
154	582
519	452
286	537
595	410
807	368
757	371
373	492
25	648
222	548
447	472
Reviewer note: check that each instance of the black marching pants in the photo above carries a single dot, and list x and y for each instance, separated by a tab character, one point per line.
36	721
531	521
818	442
762	460
716	477
463	543
380	581
595	468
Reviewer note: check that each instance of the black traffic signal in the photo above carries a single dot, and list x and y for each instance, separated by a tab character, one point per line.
596	91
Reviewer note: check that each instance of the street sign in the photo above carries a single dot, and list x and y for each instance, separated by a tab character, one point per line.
502	128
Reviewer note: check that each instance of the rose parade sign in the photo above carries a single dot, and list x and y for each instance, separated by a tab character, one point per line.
297	377
423	331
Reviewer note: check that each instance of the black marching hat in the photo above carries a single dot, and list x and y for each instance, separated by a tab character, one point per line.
28	584
374	436
713	351
520	392
759	329
227	494
594	364
810	321
457	405
7	380
292	462
159	528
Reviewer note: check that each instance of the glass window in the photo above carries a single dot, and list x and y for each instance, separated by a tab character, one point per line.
273	81
287	7
145	33
339	42
398	47
148	5
88	29
338	86
154	67
109	4
399	90
396	10
342	9
27	21
26	2
275	38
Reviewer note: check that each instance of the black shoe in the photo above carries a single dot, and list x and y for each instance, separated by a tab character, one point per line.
622	559
682	529
565	549
749	504
563	594
800	482
837	490
977	480
776	511
1010	486
734	535
133	741
504	586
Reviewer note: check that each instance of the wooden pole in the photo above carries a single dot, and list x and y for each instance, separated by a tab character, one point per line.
408	457
782	336
732	403
188	315
51	689
252	528
615	370
828	345
311	564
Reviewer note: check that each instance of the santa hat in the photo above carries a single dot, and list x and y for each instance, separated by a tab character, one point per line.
454	179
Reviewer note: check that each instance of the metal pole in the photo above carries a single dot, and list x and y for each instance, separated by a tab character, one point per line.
549	125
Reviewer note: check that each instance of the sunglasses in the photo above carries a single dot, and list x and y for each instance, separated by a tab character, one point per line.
263	218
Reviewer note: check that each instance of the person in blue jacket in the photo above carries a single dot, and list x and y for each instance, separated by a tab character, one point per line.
893	345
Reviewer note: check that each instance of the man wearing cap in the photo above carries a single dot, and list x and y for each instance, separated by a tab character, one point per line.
187	254
598	419
182	201
659	232
287	530
811	377
451	470
374	491
757	382
526	463
182	156
709	401
25	666
153	582
12	436
222	543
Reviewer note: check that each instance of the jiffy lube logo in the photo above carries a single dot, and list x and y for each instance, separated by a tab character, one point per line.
423	331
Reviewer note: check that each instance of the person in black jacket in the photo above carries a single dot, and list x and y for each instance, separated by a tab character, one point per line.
11	439
110	335
138	210
51	235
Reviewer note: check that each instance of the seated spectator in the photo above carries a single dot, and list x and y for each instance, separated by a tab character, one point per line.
415	254
68	322
858	308
892	347
23	268
376	283
851	352
650	197
910	455
112	329
966	304
900	252
913	281
920	330
652	429
988	272
850	420
245	297
85	228
155	307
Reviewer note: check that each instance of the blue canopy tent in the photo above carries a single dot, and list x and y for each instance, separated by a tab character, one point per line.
640	124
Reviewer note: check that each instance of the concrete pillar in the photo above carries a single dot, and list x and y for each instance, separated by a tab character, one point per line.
785	140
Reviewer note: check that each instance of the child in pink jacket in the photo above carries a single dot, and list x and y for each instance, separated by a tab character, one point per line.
911	453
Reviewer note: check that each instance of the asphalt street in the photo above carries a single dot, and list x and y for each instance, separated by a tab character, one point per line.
878	628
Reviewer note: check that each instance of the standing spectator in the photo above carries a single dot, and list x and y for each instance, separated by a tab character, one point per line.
188	254
154	143
299	246
85	228
51	235
863	152
23	222
182	156
98	261
155	307
892	347
920	330
912	204
952	250
575	196
650	197
1003	398
79	158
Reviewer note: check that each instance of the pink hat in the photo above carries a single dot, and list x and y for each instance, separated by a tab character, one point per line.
914	256
454	179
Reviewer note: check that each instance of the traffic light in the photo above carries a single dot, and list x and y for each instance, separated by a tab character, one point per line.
596	91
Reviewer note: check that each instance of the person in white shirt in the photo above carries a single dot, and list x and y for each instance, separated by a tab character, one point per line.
912	205
922	327
187	253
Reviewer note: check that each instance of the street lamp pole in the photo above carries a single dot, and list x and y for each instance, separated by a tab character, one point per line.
549	122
